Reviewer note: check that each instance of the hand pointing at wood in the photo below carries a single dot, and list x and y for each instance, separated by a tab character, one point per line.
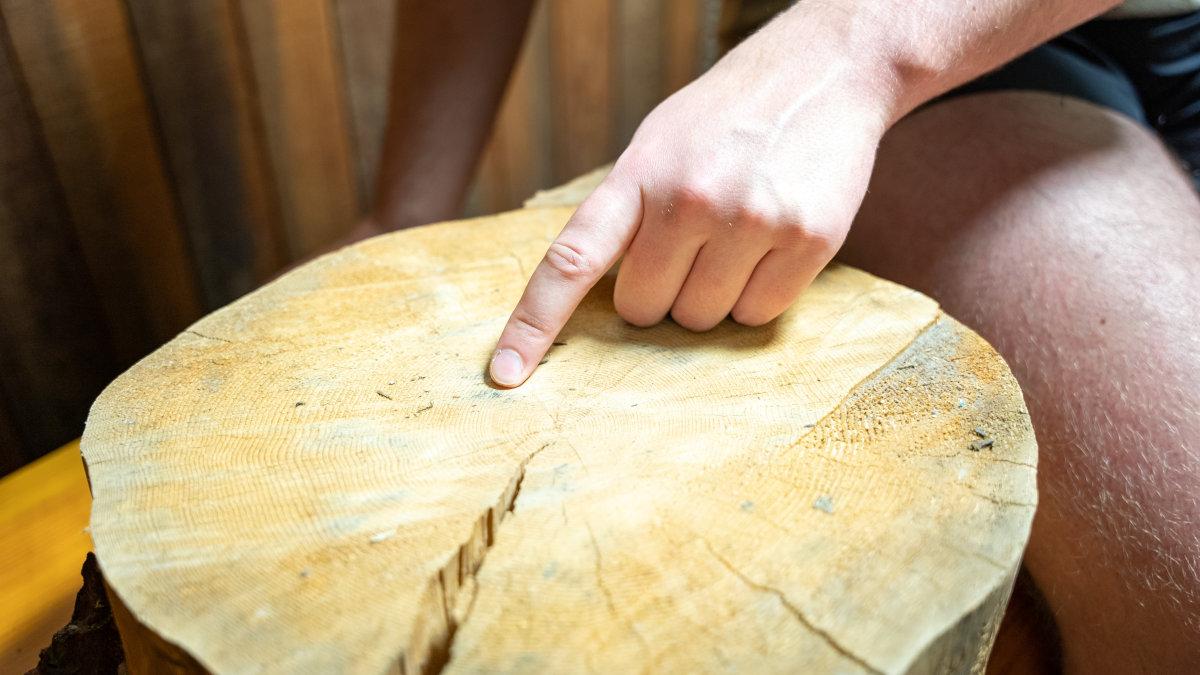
737	190
731	197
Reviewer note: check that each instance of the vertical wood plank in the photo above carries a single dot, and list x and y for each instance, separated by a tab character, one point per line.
54	349
640	63
200	86
78	60
681	43
303	102
691	43
366	30
581	67
12	455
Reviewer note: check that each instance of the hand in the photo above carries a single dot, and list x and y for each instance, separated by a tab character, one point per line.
733	194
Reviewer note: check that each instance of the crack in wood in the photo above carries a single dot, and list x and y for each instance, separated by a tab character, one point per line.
874	375
992	562
608	597
465	565
795	611
1004	502
207	337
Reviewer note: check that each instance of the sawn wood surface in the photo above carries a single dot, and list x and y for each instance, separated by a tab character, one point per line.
319	478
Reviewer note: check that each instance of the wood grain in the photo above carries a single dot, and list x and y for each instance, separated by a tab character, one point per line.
689	40
54	347
200	83
572	192
43	512
305	113
83	77
194	146
681	42
797	497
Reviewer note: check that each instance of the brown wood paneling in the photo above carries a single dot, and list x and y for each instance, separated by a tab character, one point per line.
54	349
173	154
606	66
78	59
581	87
201	87
305	114
12	454
682	49
365	32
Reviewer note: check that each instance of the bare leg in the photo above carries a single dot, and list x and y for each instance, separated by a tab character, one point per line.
452	60
1067	236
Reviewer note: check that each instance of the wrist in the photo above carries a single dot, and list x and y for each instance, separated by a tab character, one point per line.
899	55
817	53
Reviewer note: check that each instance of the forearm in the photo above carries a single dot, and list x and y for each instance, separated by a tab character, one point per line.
901	53
452	60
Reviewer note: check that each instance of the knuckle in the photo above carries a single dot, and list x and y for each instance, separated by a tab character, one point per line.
530	324
695	197
825	241
795	235
570	262
756	220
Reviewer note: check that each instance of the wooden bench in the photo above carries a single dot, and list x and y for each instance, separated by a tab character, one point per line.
44	510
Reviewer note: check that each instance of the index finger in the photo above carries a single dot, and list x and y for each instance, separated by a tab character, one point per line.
588	245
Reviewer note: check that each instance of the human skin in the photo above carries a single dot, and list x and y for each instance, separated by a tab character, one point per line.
737	190
1061	232
449	68
1067	235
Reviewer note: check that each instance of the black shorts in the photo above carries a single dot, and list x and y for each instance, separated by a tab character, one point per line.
1148	69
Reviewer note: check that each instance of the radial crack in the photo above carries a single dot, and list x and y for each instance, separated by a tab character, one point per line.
465	564
1004	502
794	610
608	597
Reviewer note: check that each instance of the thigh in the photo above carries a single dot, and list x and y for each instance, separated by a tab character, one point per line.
1068	236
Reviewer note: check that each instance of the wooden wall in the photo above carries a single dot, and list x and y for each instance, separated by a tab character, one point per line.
159	159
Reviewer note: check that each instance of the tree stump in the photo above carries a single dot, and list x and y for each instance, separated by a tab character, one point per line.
319	478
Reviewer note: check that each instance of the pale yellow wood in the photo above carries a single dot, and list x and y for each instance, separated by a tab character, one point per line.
318	477
569	194
43	512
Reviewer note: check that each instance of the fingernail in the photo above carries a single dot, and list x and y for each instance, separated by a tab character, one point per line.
506	368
